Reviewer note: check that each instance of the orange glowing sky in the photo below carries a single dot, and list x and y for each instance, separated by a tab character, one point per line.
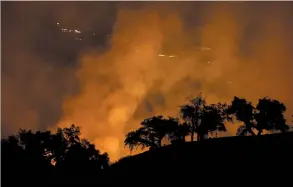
251	56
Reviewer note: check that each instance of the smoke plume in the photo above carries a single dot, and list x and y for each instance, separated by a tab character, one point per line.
155	61
157	55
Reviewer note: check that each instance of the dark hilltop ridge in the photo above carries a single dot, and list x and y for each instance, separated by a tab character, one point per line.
232	160
219	157
63	158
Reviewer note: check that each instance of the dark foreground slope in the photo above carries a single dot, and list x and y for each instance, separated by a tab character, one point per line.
221	161
264	157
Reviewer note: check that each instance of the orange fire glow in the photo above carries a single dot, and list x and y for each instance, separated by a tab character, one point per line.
115	84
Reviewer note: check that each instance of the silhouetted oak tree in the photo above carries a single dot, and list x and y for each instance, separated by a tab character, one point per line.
39	154
269	115
243	111
179	133
151	133
212	119
192	112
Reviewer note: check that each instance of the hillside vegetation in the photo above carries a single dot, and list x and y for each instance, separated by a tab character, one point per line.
64	158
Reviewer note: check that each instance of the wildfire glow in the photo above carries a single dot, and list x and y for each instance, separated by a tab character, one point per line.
157	55
115	84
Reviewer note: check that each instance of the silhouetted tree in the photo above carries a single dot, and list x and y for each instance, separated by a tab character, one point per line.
43	152
83	156
269	116
212	119
179	133
11	150
74	152
64	153
192	112
22	156
151	133
243	110
35	151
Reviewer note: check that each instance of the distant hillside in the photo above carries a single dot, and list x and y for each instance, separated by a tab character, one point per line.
222	157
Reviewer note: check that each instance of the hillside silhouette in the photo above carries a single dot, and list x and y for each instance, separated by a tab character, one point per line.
211	161
64	158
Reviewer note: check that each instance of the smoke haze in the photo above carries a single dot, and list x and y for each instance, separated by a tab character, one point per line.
150	58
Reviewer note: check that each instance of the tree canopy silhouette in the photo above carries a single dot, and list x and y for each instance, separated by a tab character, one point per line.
243	111
212	119
202	118
151	132
63	152
267	115
192	112
58	156
179	134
